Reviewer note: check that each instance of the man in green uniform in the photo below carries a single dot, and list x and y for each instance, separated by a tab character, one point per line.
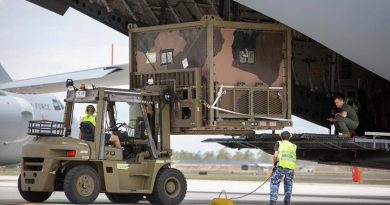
284	161
346	120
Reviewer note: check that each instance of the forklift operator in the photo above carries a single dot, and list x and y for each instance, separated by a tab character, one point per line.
91	118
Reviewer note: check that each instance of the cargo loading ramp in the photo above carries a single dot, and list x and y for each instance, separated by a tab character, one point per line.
306	141
370	150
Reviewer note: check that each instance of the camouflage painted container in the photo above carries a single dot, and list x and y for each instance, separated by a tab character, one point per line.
229	77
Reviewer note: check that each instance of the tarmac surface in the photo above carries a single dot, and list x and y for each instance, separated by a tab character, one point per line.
201	192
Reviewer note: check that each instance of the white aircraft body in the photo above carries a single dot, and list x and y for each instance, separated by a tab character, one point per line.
16	111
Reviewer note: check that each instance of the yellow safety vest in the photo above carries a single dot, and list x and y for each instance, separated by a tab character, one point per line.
287	155
90	118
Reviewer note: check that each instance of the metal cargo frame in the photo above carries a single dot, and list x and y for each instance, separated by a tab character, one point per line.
211	119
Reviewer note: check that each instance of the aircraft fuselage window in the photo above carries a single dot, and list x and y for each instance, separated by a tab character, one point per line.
57	105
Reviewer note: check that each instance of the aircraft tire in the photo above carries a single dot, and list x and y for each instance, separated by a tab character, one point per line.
82	185
32	196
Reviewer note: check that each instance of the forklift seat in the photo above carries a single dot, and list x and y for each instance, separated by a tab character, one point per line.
140	128
87	130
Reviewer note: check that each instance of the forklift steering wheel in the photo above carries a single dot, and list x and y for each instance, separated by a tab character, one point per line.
117	126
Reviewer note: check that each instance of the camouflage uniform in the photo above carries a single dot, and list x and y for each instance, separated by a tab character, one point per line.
288	183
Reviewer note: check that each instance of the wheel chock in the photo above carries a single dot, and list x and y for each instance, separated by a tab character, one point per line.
222	201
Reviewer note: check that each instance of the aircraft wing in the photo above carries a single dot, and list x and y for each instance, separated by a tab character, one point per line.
100	77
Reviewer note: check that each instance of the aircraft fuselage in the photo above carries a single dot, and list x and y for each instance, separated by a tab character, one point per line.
15	112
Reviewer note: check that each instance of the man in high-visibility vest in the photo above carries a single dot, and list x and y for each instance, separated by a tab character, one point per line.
91	117
284	161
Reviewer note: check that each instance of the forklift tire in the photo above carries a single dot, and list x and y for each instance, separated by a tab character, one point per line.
32	196
124	198
170	187
82	185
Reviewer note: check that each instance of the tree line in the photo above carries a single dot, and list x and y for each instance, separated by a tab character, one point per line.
223	154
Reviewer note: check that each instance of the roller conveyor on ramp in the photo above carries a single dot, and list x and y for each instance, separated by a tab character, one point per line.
370	150
310	141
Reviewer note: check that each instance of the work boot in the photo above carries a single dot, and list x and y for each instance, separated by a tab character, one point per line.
272	203
353	133
345	136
